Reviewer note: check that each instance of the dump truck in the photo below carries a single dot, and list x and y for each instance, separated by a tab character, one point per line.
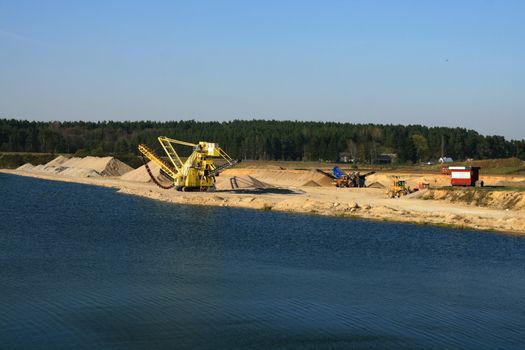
197	173
353	179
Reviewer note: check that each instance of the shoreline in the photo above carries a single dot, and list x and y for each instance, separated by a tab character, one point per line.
322	201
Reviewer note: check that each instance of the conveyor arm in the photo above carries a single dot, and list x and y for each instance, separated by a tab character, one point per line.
150	154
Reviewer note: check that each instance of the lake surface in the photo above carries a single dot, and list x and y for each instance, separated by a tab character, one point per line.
83	267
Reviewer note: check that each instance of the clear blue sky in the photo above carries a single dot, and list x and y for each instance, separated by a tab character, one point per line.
447	63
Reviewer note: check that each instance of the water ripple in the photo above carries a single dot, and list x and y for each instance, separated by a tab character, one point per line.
131	273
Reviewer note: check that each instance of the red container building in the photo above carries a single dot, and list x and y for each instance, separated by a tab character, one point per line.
463	175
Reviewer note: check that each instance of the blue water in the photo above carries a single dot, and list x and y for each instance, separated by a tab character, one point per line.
84	267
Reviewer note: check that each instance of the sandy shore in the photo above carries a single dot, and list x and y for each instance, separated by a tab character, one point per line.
329	201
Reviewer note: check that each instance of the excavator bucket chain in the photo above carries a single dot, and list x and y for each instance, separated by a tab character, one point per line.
153	178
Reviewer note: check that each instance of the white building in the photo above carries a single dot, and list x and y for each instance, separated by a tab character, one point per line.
443	160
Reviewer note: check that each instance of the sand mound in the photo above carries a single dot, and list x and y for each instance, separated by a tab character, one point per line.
39	167
105	166
26	167
141	174
81	167
57	161
376	185
79	172
311	183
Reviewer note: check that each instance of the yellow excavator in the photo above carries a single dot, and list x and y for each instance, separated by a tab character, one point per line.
197	173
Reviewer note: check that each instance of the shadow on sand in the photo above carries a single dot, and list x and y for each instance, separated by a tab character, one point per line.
267	190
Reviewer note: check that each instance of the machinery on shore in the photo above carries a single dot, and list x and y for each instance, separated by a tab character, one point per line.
398	189
353	179
197	173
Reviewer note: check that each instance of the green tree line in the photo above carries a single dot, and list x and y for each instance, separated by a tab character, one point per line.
260	139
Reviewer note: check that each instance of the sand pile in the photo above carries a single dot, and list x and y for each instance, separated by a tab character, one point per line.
284	178
105	166
77	172
26	167
57	161
375	185
141	174
311	183
38	168
81	167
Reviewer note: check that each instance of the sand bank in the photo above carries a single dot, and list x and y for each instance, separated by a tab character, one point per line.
294	191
